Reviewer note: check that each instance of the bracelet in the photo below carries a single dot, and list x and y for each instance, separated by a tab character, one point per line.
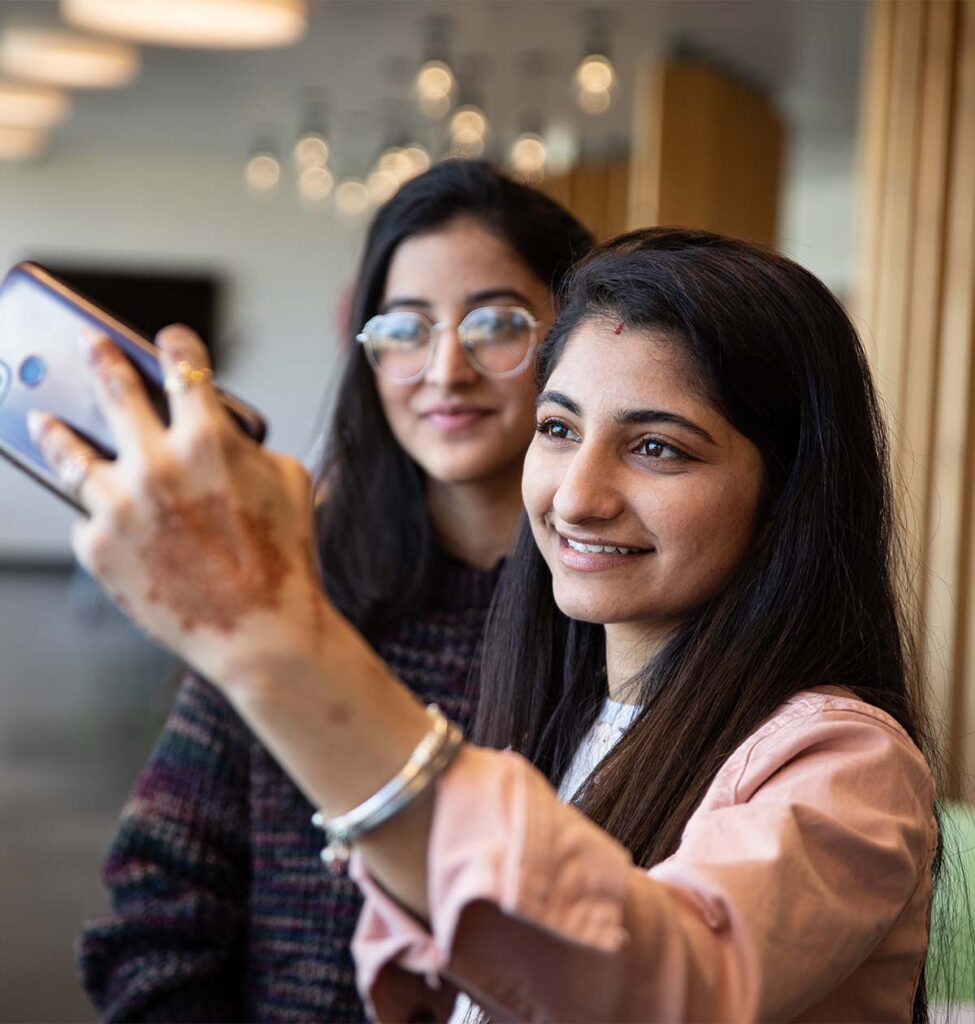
428	761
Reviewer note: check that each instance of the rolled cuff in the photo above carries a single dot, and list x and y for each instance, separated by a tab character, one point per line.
501	835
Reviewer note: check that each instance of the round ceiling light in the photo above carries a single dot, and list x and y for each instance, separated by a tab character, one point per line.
32	106
63	58
210	24
18	143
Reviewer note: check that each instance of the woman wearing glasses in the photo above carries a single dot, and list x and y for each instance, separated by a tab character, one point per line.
220	907
710	543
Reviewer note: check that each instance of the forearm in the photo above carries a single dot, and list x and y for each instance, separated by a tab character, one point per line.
341	725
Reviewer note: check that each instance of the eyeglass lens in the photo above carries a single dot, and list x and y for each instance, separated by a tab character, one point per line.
497	340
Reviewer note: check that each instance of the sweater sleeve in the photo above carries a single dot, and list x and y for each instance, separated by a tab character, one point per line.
177	872
779	891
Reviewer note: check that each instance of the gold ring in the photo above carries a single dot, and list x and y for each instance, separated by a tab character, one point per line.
186	376
75	472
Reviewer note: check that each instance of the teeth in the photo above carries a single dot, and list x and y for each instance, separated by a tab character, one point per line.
600	549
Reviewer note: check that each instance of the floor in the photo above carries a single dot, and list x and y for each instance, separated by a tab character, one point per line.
82	697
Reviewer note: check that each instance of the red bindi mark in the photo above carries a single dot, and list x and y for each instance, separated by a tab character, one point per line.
619	328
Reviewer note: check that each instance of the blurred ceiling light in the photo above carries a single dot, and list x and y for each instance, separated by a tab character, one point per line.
67	59
315	184
19	143
311	150
263	172
214	24
528	156
595	74
32	106
468	125
381	185
434	80
396	162
418	157
351	199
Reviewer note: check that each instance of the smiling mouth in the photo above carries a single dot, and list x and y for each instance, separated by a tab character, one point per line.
455	418
588	555
603	549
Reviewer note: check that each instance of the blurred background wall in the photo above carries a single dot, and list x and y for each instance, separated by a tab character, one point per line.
799	123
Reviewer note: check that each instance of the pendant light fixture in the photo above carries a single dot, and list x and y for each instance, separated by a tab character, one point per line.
468	124
209	24
595	75
18	143
67	59
434	82
32	106
262	172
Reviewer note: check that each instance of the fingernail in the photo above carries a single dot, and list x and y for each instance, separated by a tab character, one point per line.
36	423
89	337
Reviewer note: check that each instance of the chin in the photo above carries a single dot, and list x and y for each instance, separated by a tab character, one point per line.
587	608
463	468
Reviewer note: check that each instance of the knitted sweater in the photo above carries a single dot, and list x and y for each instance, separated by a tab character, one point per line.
221	908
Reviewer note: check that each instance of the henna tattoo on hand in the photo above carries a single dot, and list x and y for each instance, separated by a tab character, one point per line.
243	570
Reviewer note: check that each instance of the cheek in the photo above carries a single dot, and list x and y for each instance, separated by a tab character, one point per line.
394	399
517	398
712	528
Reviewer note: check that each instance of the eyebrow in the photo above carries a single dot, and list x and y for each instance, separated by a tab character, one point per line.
629	417
472	300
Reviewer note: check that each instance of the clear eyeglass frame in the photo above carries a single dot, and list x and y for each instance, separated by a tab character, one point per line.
365	337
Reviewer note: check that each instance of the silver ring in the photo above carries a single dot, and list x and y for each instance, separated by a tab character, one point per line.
75	472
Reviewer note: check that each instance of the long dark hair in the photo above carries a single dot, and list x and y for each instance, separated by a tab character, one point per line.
815	601
376	543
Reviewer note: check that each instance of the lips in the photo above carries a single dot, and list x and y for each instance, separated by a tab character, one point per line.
597	554
449	418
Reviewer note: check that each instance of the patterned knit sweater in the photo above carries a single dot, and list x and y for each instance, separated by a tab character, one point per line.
221	908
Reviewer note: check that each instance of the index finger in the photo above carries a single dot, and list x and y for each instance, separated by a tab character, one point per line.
121	395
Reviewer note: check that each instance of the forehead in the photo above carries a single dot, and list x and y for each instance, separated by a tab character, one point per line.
460	258
632	369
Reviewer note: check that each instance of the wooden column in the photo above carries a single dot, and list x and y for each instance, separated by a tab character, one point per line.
596	192
708	153
916	305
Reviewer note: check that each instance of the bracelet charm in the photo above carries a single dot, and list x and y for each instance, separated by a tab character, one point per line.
430	758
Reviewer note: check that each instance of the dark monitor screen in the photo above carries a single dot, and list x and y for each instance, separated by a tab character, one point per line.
149	300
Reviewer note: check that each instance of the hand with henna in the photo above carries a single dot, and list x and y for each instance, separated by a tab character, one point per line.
198	533
205	540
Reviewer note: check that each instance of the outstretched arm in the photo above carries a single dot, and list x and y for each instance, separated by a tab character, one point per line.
205	540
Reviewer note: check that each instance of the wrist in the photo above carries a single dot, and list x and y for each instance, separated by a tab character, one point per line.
271	649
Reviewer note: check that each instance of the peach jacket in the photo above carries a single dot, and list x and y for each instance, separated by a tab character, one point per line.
800	890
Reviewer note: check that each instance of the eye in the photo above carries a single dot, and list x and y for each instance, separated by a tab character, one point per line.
556	430
659	451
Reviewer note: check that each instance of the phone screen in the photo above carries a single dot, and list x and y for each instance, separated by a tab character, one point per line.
42	367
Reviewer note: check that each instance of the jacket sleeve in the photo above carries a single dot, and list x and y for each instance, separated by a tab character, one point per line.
177	873
779	891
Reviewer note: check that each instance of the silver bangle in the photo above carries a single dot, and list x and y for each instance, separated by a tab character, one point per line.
431	756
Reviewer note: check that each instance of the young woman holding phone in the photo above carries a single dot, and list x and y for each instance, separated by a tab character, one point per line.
709	541
220	909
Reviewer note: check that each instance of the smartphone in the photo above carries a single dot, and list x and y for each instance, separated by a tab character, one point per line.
42	367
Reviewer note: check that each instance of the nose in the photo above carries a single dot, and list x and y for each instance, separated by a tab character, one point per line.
449	367
589	488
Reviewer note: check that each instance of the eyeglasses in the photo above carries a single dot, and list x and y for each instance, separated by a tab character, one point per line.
498	341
